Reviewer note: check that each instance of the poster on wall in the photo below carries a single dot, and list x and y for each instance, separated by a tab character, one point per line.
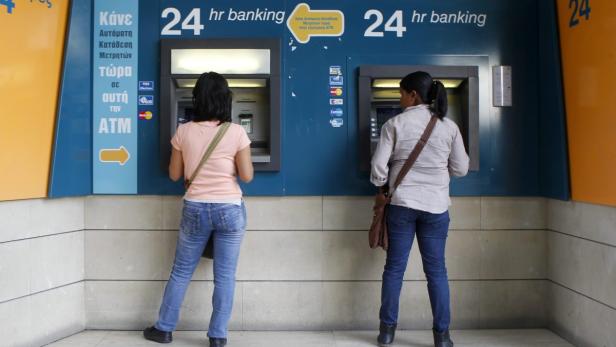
115	96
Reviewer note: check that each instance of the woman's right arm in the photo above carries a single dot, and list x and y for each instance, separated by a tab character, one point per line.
243	161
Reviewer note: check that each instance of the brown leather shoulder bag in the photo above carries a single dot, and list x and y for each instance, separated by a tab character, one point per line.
377	236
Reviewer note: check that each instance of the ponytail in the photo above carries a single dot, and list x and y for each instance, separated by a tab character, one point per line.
437	97
431	92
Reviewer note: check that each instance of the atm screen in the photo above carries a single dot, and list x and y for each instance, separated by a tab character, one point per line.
383	114
185	116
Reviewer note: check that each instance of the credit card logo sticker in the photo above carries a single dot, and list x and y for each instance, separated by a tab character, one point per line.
335	70
146	100
335	91
336	112
147	115
335	102
336	122
336	80
146	85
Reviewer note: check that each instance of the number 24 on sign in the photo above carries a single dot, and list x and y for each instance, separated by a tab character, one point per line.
581	8
9	5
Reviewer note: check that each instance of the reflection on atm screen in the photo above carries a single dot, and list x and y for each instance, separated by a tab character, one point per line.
383	114
186	117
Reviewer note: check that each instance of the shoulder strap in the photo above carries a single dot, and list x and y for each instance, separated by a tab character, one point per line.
210	149
415	153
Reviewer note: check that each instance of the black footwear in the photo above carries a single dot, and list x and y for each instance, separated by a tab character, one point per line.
442	339
156	335
217	342
386	334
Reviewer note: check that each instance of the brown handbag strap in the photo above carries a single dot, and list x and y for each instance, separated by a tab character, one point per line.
415	153
208	152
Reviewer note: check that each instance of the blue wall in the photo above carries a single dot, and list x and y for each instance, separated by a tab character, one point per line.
71	170
522	147
553	155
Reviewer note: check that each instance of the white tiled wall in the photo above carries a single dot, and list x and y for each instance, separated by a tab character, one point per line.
41	270
41	318
25	219
582	269
305	263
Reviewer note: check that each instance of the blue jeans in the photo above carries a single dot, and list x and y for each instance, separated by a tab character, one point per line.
227	224
431	229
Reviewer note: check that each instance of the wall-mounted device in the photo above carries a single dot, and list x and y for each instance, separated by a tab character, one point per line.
502	91
252	68
379	101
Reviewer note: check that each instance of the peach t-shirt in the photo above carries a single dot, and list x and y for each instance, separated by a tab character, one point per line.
216	182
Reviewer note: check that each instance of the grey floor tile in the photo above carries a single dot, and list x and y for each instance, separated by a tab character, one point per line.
85	338
462	338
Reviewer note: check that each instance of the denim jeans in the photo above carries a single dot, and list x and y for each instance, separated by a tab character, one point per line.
431	229
226	223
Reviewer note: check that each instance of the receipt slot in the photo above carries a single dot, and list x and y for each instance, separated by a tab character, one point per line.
252	68
379	101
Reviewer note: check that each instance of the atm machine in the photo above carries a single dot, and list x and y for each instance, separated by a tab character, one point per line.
379	99
252	68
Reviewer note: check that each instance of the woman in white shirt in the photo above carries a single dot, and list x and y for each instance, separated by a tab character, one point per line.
421	202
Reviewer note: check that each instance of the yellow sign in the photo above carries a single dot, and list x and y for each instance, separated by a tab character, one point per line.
120	156
305	23
32	40
589	67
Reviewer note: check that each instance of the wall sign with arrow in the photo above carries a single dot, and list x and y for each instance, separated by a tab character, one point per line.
305	23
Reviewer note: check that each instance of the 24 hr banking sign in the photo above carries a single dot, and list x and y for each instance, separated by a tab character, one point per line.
115	96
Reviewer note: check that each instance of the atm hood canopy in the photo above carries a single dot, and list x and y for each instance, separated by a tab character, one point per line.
222	61
233	82
395	83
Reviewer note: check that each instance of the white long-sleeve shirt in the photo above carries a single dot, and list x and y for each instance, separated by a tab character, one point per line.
426	186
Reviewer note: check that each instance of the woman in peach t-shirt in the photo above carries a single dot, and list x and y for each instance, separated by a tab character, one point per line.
213	207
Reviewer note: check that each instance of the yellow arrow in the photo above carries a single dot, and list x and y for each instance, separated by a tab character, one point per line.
120	156
305	23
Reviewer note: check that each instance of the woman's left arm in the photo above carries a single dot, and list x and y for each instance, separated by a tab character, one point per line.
176	165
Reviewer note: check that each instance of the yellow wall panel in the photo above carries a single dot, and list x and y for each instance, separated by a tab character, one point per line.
31	50
589	69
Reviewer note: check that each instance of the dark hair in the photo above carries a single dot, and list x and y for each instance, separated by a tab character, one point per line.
212	98
430	91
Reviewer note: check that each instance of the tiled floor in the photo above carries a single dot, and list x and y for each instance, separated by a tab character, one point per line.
468	338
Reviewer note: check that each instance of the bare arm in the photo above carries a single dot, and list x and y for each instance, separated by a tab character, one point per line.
176	165
243	161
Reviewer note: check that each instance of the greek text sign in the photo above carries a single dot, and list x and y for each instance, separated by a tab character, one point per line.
115	97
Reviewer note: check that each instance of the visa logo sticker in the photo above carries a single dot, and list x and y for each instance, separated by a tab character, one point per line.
146	85
146	100
336	80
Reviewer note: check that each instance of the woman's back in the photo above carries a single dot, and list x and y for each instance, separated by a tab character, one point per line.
426	186
216	181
